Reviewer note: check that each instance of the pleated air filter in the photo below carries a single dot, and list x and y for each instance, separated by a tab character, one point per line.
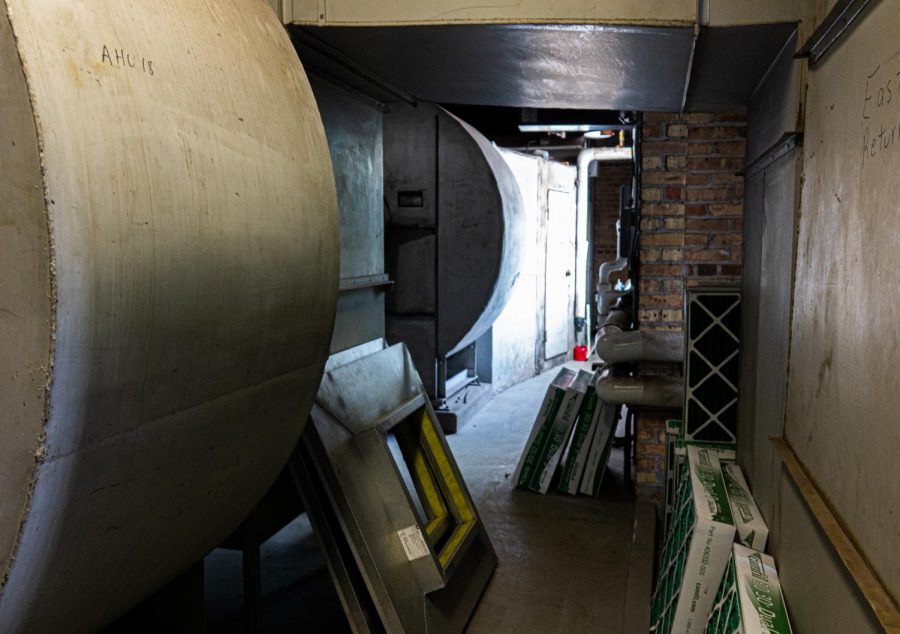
712	362
749	600
697	548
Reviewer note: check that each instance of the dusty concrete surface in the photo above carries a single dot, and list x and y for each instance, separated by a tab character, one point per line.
564	560
567	564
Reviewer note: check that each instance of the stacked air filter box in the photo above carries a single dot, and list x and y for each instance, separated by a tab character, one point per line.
713	507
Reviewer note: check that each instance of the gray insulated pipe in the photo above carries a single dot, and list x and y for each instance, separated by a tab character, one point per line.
169	255
648	391
615	344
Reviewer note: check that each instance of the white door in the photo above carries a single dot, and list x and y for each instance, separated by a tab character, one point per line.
560	263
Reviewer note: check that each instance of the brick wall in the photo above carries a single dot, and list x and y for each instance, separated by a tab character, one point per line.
691	235
610	178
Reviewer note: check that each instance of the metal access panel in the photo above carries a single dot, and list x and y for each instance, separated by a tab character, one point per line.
712	364
406	547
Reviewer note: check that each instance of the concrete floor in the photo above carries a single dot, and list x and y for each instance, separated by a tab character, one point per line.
567	564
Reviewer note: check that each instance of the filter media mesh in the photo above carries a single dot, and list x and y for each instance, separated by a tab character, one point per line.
725	617
713	360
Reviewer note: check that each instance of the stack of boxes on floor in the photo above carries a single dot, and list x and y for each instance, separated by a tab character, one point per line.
714	576
574	429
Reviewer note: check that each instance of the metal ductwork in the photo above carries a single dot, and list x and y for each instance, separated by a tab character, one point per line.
648	391
169	263
616	344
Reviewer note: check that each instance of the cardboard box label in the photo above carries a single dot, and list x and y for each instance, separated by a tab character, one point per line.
751	528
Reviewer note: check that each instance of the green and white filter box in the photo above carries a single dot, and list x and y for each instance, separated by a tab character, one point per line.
725	451
551	430
598	453
750	599
580	444
751	528
697	548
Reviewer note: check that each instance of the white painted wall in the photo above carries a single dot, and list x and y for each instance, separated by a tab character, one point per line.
518	334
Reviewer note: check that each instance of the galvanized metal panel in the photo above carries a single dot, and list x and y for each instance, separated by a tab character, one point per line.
359	317
820	594
715	86
539	66
410	165
774	108
354	133
413	265
780	196
770	203
518	329
355	143
193	220
411	591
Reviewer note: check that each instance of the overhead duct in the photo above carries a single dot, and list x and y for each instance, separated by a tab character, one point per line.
582	241
169	264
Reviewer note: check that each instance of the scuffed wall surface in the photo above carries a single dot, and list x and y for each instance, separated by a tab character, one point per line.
843	397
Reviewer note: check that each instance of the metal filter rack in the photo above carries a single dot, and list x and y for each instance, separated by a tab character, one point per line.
712	364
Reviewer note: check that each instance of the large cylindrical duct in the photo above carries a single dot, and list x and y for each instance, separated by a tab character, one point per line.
455	233
168	276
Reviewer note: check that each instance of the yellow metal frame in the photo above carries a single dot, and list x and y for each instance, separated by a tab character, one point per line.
447	507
